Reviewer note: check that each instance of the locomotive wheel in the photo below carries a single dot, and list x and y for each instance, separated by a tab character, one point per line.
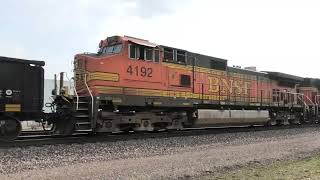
10	129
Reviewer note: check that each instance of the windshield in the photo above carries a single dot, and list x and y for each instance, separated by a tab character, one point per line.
114	49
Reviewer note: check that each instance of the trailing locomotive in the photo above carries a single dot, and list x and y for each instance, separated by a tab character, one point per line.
133	84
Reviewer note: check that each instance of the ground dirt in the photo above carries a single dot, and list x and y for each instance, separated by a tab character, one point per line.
204	157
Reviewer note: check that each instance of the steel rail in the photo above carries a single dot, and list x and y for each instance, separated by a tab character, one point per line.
40	140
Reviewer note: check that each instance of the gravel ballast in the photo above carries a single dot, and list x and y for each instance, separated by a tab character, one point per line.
174	157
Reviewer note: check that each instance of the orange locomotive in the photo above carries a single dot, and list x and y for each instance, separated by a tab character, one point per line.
134	84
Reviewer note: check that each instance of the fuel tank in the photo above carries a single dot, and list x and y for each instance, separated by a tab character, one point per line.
211	118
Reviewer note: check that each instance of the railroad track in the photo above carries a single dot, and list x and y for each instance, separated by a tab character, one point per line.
45	139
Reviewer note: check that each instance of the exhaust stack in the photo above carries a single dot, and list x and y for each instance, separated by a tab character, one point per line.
61	83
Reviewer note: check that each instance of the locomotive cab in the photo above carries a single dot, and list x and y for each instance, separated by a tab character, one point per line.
120	62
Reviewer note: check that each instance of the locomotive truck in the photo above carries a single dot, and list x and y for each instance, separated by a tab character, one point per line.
131	84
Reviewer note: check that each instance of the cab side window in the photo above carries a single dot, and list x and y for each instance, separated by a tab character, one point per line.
144	53
149	54
156	55
133	51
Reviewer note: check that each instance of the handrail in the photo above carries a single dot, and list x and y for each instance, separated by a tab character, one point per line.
317	102
316	99
297	96
313	104
76	93
85	82
73	87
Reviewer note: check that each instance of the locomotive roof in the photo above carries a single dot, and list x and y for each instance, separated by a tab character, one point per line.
202	60
199	56
311	82
283	76
139	41
24	61
246	71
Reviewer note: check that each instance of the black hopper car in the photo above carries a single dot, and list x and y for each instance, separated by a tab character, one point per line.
22	99
21	94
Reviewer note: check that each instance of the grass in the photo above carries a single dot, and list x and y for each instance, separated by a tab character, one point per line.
308	168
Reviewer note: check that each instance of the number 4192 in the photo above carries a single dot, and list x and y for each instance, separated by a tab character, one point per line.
139	71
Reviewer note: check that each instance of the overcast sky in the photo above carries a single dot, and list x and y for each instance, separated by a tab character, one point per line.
274	35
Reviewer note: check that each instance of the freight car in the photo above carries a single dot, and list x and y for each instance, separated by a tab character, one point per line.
21	94
133	84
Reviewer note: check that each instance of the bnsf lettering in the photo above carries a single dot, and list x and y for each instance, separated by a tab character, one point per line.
139	71
228	86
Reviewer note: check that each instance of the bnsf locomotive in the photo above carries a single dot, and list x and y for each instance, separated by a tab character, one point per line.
133	84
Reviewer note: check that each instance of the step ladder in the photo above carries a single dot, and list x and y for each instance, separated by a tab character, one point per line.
82	114
83	110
